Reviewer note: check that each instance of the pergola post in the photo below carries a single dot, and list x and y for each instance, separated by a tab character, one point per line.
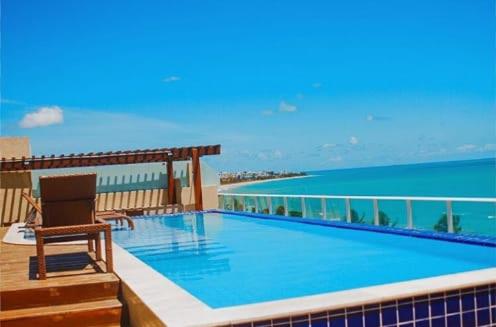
171	187
195	158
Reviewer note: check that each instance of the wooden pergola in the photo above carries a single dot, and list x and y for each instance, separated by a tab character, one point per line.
167	155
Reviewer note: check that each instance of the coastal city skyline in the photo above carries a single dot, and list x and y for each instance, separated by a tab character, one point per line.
282	86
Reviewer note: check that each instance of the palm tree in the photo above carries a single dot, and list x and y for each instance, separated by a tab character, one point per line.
384	219
442	224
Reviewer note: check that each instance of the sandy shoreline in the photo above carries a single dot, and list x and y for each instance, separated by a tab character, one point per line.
226	187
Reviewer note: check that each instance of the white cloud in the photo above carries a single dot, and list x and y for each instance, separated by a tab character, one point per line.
262	156
10	101
316	85
376	118
44	116
328	146
335	159
489	147
353	140
466	148
269	155
286	107
171	79
267	112
277	154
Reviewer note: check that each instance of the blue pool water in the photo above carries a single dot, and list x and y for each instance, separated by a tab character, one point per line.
226	260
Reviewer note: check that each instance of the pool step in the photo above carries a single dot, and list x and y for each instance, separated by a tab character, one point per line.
106	286
96	313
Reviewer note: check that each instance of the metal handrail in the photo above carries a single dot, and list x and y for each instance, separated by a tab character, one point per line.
366	197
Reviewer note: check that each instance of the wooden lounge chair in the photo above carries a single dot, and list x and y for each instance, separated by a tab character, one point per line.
111	215
31	218
115	216
68	214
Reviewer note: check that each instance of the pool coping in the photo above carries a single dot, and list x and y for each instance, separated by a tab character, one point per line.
174	306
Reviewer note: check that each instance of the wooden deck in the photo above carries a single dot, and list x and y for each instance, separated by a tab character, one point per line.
76	292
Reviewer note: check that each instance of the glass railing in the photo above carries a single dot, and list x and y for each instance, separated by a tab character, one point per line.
443	214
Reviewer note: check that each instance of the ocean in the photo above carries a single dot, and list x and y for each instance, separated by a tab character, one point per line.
468	178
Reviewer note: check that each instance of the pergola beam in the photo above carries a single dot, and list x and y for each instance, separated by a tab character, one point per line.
167	155
197	184
171	194
107	158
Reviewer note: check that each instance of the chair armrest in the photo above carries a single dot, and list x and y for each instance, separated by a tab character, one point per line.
99	220
75	229
31	201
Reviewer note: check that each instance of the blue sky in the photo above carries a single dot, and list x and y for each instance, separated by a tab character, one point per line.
280	84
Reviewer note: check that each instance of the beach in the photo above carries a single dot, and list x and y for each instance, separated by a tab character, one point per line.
226	187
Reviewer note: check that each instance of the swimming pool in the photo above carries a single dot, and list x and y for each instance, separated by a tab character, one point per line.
229	260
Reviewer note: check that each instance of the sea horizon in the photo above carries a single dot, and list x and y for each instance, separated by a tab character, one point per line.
440	162
458	178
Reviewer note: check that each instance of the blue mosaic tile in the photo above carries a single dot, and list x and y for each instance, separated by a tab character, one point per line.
468	319
434	310
322	314
388	315
319	322
421	310
483	317
281	322
337	321
354	309
453	304
355	320
371	306
422	323
319	319
421	298
300	321
493	295
438	322
372	318
482	299
468	301
336	312
405	312
437	307
454	321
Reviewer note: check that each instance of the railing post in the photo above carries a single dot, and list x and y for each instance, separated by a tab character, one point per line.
348	210
221	202
303	208
409	214
243	202
376	212
269	204
323	204
449	216
256	204
232	203
286	209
